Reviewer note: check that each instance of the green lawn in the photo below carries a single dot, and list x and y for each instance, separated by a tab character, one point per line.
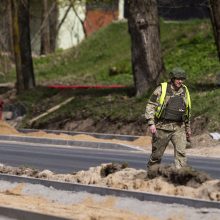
188	44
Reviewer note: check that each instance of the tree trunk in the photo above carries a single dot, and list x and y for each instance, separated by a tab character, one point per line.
215	19
9	14
49	20
147	63
53	26
22	45
45	32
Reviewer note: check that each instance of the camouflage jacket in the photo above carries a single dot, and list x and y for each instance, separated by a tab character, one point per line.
151	108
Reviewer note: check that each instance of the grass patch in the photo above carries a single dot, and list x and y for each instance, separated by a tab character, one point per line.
94	59
90	62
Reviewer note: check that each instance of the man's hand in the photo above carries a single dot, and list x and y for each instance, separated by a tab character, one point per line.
153	129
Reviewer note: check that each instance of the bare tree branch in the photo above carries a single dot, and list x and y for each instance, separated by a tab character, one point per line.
64	17
77	15
43	23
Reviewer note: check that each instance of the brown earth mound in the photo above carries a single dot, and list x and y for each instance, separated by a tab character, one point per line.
163	179
186	176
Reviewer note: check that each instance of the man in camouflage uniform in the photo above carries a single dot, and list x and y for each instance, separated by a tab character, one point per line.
168	117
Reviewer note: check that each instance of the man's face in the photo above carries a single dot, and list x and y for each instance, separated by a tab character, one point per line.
178	82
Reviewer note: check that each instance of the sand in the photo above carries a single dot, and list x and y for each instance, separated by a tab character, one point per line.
202	145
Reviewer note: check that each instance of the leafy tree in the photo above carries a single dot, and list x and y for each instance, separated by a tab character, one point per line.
147	63
22	45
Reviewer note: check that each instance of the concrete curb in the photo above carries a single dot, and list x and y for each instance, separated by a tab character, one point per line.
26	215
142	196
97	135
50	141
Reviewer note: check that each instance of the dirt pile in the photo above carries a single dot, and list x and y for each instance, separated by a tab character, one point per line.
7	129
163	179
186	176
202	145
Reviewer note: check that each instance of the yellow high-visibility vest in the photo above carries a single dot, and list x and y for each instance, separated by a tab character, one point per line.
160	107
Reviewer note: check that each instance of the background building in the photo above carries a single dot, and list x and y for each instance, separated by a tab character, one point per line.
69	25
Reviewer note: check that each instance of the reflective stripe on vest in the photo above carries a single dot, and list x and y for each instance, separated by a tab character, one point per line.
160	107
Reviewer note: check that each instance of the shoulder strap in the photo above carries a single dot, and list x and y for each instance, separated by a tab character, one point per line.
187	96
161	100
188	102
163	93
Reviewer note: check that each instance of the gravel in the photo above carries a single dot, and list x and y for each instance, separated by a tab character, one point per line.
152	209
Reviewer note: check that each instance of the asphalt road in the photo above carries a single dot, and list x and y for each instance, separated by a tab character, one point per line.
72	159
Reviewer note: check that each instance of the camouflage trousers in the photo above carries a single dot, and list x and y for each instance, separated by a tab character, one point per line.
162	139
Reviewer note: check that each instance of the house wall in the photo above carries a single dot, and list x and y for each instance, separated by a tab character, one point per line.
96	19
99	15
121	9
71	32
95	16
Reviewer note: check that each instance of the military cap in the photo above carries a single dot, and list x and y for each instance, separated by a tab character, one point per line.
177	73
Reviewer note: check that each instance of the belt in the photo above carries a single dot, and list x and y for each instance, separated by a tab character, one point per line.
166	121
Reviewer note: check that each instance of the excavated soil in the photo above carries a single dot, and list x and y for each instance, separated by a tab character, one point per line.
201	145
162	179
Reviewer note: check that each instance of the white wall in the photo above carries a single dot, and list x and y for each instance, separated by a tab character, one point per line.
120	9
71	31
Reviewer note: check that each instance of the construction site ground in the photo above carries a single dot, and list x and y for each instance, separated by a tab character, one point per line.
84	206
